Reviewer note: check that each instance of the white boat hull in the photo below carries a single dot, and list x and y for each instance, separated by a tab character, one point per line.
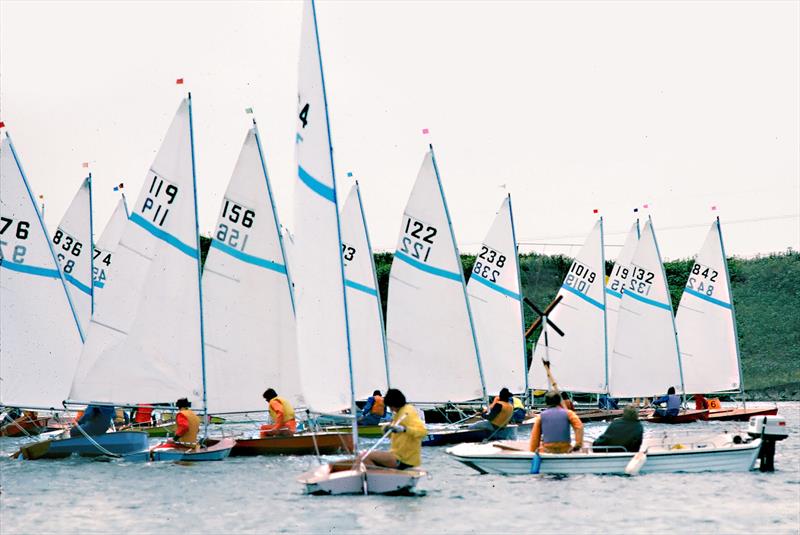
707	455
332	479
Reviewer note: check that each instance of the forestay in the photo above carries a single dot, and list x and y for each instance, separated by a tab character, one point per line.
645	359
40	339
433	353
73	244
322	334
367	339
249	317
496	301
107	244
706	322
578	359
617	281
144	342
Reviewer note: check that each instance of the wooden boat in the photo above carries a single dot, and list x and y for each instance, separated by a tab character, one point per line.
120	443
739	414
367	431
685	416
723	452
597	415
444	437
348	477
28	426
215	450
327	443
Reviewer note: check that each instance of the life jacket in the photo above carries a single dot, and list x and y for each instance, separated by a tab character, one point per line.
378	407
504	416
555	425
143	414
517	403
673	401
119	417
190	436
288	411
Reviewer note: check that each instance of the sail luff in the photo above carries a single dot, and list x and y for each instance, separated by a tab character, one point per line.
521	303
733	310
605	300
91	239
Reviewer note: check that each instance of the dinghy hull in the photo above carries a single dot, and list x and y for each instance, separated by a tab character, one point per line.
328	443
120	443
739	414
216	450
27	427
457	436
342	478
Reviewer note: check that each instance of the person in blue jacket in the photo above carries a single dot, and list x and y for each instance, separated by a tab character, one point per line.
673	404
96	420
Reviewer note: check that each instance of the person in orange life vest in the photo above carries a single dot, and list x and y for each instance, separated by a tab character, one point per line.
187	424
566	402
550	432
499	414
282	414
374	410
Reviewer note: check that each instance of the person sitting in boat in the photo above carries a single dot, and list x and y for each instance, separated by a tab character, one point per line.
407	434
673	402
143	415
566	402
187	424
499	414
700	402
550	432
625	432
95	420
282	414
519	414
606	402
374	410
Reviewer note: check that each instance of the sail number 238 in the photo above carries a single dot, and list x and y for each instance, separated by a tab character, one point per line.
417	238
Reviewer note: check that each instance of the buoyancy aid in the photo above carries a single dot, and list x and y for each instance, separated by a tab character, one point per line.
187	418
378	406
555	425
143	414
288	411
504	416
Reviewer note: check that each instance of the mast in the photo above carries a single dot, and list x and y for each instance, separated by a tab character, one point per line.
521	304
91	239
461	276
605	307
733	313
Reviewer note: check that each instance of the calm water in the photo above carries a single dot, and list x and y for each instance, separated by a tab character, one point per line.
260	494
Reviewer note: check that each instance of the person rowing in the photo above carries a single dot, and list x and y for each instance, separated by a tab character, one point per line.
550	432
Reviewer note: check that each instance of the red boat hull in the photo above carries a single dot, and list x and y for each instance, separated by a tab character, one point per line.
684	417
31	427
740	414
328	443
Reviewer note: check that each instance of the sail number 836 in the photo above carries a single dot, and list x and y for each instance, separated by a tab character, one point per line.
417	238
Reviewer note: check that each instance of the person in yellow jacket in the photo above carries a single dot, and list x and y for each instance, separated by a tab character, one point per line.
407	434
282	414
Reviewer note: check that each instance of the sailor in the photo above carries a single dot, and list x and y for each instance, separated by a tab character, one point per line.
499	414
143	414
625	432
187	424
550	432
374	410
96	420
407	434
282	414
566	402
519	410
673	402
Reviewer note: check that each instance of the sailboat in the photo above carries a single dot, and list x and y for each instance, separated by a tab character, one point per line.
706	324
579	359
323	330
618	279
107	244
74	245
495	296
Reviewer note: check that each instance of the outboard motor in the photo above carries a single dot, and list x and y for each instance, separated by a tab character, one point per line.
769	429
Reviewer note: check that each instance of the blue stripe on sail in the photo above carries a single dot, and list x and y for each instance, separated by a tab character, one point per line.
495	287
583	296
250	259
78	284
99	284
30	270
618	295
164	236
316	186
648	301
425	267
361	287
707	298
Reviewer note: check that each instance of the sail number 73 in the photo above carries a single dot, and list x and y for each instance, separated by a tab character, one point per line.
417	238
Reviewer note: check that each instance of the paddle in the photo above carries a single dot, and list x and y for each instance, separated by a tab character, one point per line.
543	314
636	463
360	458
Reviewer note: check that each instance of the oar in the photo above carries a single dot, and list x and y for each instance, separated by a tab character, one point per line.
636	463
361	458
543	314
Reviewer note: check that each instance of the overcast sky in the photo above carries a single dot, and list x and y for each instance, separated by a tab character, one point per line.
573	106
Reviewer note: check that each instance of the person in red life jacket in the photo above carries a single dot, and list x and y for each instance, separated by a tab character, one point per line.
282	414
700	402
374	410
550	432
142	415
499	413
187	424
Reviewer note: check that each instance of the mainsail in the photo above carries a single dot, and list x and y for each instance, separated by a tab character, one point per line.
73	244
706	322
578	360
645	360
617	281
145	342
433	351
40	338
323	345
106	245
496	299
367	337
249	316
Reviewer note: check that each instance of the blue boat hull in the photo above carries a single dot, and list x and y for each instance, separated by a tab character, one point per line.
457	436
216	450
121	443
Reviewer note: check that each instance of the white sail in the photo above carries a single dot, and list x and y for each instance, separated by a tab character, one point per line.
706	322
496	300
40	339
73	243
645	359
323	347
106	245
578	359
617	280
144	342
367	340
433	353
247	299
